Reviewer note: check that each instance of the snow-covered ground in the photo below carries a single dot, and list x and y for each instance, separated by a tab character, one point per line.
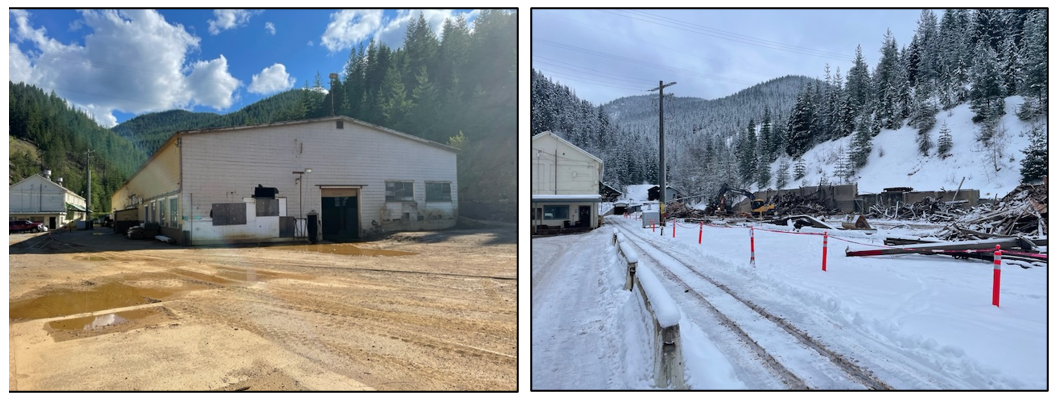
911	321
895	162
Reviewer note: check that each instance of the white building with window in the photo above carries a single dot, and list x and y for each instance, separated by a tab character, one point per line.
565	185
261	183
39	199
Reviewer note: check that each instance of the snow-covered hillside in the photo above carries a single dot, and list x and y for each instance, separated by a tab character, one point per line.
895	162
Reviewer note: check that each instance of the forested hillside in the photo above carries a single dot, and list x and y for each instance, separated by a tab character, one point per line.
755	137
460	90
63	136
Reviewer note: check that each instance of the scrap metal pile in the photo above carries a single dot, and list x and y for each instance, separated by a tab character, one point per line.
1023	212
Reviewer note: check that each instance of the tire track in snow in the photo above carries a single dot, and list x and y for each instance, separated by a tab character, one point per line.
854	372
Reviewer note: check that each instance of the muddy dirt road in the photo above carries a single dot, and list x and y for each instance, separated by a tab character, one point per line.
416	311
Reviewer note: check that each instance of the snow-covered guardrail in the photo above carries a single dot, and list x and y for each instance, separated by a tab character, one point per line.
663	315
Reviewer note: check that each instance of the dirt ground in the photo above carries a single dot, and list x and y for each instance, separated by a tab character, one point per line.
90	310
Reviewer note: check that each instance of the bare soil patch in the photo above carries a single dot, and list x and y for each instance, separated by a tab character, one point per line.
413	311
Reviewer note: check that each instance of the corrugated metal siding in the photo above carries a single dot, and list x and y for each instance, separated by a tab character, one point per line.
224	166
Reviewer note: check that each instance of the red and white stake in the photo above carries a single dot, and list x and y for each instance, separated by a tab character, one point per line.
700	236
751	231
824	250
997	276
674	224
654	225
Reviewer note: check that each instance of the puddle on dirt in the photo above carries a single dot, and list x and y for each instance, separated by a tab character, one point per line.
74	301
132	290
92	258
343	249
64	330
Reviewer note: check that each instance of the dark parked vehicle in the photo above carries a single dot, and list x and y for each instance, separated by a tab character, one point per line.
25	226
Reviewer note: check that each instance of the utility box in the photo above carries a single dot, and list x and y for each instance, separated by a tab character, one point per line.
650	214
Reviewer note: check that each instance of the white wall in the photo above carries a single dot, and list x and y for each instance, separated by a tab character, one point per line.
575	172
225	165
257	228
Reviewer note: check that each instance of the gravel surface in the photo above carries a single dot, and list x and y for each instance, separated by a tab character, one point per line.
414	311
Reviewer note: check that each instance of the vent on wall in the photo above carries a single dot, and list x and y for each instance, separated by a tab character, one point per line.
340	125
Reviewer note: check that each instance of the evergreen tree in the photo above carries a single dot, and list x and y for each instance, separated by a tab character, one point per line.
763	175
1035	164
887	85
782	175
844	169
746	158
859	92
923	142
862	143
800	124
800	169
1034	65
987	94
766	140
945	141
394	104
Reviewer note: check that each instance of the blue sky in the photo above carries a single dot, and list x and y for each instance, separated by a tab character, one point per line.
710	53
117	64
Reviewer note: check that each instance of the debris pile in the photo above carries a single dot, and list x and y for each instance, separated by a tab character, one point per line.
1023	212
681	210
929	209
791	203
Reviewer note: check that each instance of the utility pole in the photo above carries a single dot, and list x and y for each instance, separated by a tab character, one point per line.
663	170
333	76
88	199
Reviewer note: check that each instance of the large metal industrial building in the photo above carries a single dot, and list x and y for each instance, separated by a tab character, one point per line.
262	183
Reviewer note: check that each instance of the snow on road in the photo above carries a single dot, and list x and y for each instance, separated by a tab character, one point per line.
911	321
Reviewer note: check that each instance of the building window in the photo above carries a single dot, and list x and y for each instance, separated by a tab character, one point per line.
173	212
439	192
164	217
555	212
340	125
399	191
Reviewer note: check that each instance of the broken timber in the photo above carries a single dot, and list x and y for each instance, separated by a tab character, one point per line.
982	249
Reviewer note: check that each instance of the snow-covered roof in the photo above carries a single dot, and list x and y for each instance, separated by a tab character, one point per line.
566	197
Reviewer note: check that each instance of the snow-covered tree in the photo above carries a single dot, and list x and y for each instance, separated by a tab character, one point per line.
987	94
1036	161
782	175
945	141
1034	65
862	143
800	169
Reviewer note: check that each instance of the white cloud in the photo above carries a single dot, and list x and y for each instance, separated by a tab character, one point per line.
229	19
271	80
211	84
19	69
344	30
347	27
268	26
132	60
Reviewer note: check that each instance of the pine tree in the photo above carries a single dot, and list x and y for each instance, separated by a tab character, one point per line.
859	90
887	84
782	175
862	143
800	169
1036	161
1034	65
945	141
800	124
923	142
763	175
987	94
746	159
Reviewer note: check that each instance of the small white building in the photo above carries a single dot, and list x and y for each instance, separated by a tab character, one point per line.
565	184
39	199
261	183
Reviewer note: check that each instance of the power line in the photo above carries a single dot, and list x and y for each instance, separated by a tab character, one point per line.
589	81
635	61
727	35
550	61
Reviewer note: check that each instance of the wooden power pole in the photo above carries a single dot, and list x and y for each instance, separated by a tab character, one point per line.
663	170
